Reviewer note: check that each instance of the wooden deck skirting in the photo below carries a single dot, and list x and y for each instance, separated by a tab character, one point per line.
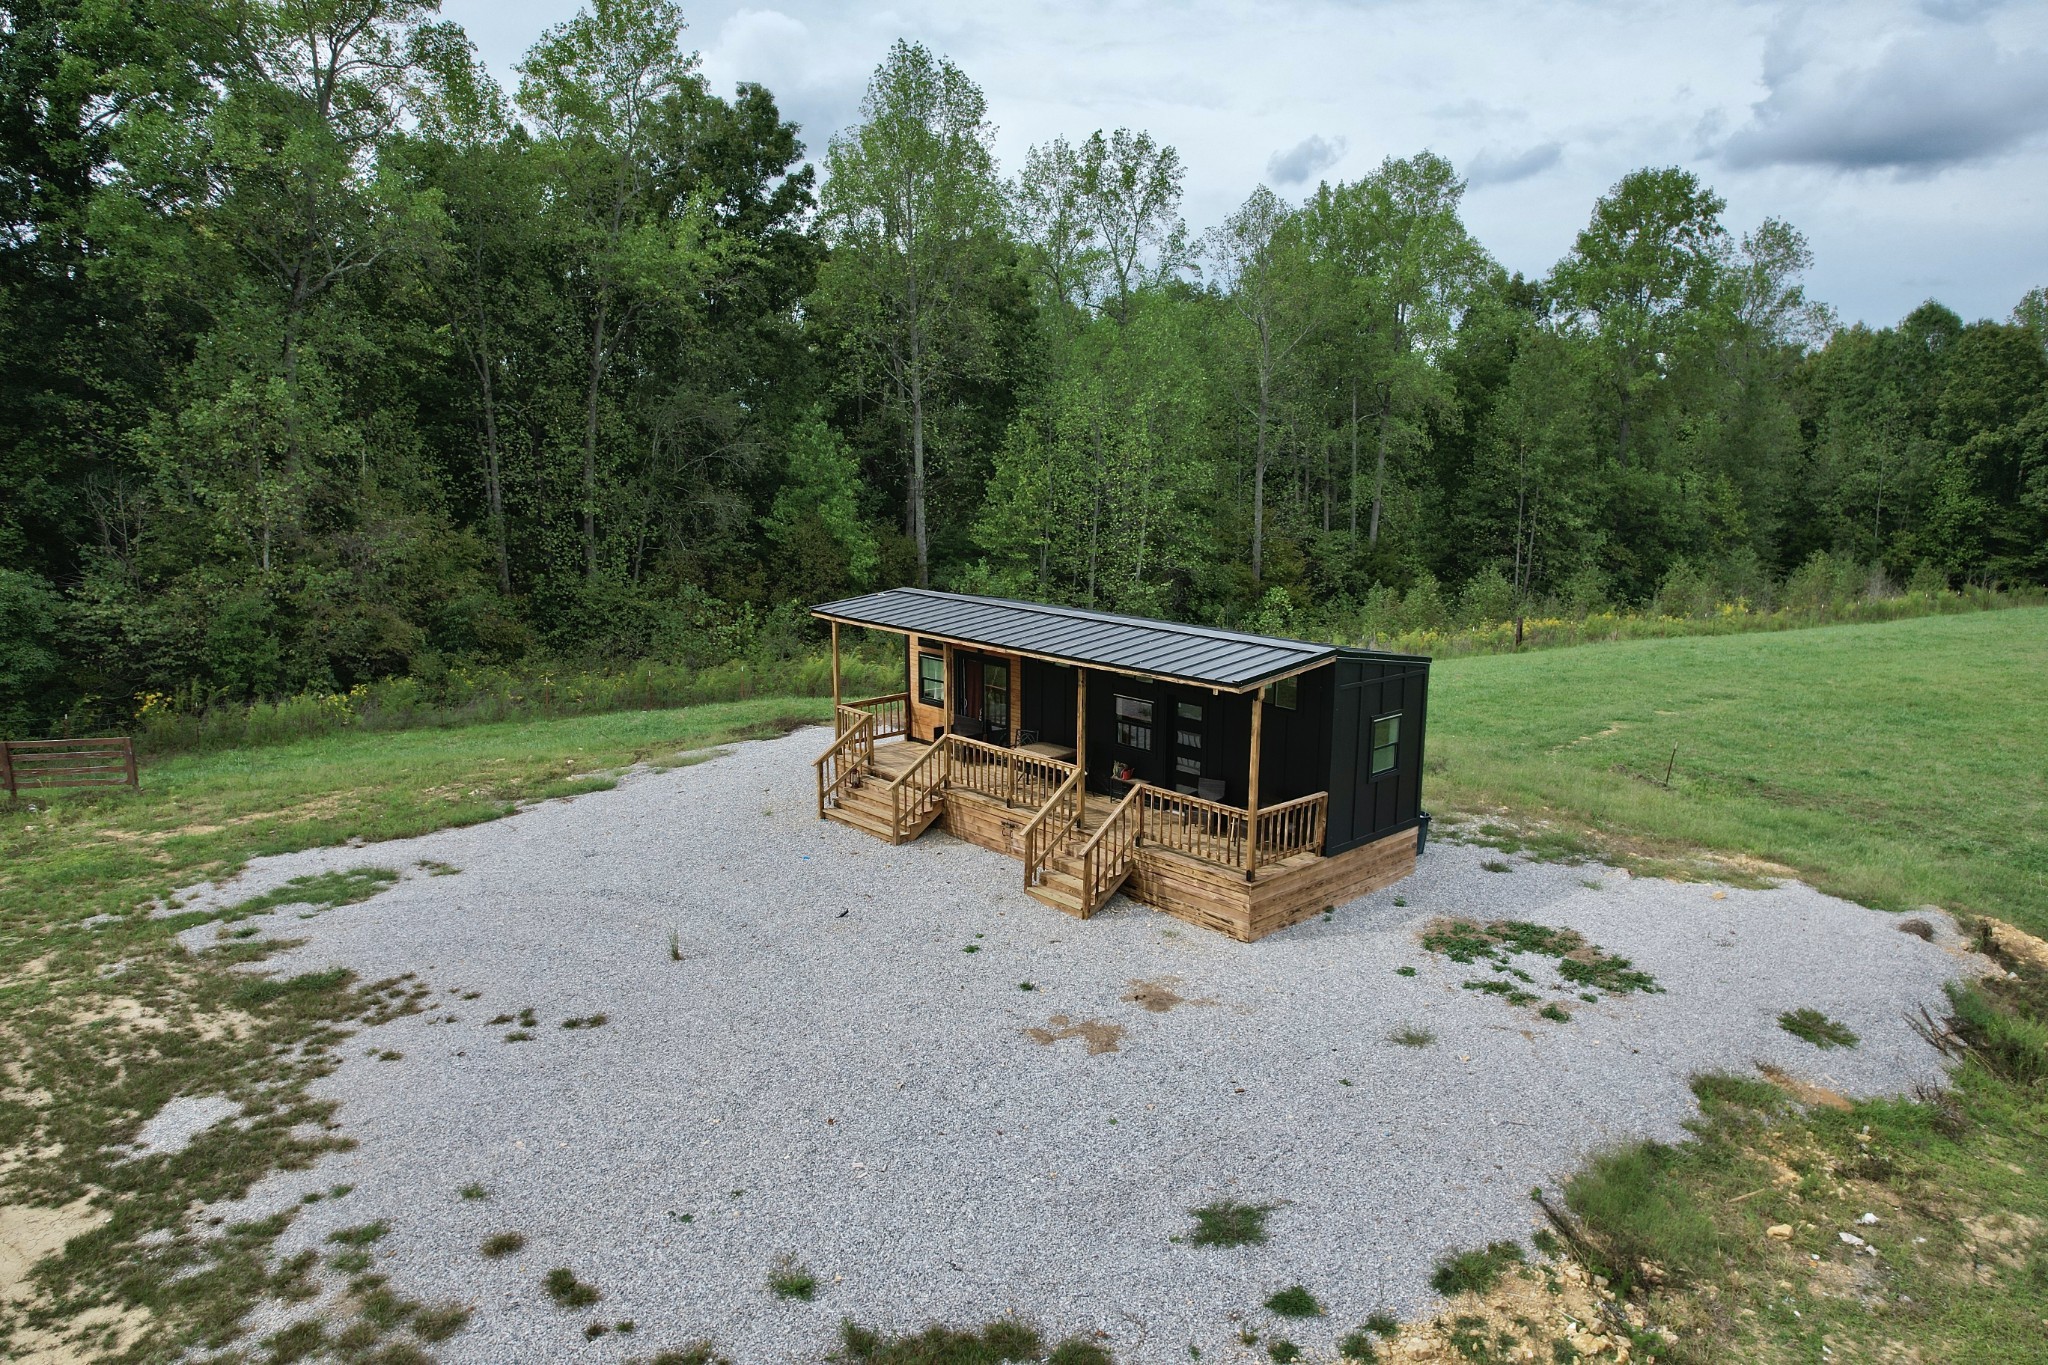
1162	870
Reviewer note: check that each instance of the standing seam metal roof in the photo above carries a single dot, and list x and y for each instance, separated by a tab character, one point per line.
1166	649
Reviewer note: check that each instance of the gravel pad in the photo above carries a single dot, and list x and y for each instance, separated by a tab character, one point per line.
829	1076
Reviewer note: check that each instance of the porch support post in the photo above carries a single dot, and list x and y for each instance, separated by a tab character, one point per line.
1081	742
946	707
1251	814
835	668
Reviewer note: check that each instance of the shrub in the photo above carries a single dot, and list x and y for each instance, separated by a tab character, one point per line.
1294	1302
1474	1272
1227	1223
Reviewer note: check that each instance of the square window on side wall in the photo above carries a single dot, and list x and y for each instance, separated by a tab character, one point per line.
1386	744
931	680
1283	693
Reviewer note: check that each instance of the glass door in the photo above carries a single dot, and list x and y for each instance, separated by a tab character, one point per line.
1189	734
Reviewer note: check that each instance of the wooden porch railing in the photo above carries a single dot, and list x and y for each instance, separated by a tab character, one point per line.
891	714
1293	827
846	761
918	787
1106	857
1048	829
1011	776
1187	824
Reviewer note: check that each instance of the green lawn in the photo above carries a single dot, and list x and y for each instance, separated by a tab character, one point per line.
1898	765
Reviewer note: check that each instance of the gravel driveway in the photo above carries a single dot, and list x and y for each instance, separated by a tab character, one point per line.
830	1075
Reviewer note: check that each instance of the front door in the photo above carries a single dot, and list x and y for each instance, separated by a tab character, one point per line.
981	685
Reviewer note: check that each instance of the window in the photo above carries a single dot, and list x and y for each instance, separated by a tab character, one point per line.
1282	693
1191	710
1189	739
1386	743
995	695
1189	764
931	680
1134	723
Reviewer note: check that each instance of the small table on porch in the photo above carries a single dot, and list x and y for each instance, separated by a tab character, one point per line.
1063	752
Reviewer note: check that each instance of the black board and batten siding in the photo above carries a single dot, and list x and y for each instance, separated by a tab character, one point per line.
1372	687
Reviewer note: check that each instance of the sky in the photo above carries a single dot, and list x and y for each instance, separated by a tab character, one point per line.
1908	139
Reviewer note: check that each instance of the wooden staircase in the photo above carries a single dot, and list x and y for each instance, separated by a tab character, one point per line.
866	803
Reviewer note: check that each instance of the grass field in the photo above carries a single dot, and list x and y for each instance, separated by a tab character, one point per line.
1898	764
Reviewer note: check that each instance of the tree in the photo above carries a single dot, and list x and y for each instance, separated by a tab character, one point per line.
910	198
1130	198
1643	274
1264	274
597	86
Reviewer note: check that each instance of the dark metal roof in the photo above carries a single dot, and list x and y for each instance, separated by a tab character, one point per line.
1134	644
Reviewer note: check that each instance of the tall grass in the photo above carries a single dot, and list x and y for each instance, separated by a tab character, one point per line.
464	695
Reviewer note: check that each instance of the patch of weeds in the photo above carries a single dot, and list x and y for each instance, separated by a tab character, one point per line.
1294	1302
434	868
788	1280
519	1036
1404	971
1409	1035
1002	1340
567	1291
390	1055
1283	1351
624	1327
304	987
596	1330
675	945
502	1244
1385	1324
1474	1272
972	948
350	1262
1556	1013
296	1342
1227	1223
293	1280
587	1021
1580	963
1496	865
1400	900
1514	995
1074	1351
440	1322
695	1353
360	1236
498	1021
322	890
387	1309
1026	986
474	1191
1357	1347
1816	1028
1918	928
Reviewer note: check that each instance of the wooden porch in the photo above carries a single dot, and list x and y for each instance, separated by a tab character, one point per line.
1243	872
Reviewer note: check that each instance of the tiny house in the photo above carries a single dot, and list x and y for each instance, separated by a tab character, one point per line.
1242	782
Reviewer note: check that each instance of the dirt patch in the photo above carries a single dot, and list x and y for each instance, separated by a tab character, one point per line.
1522	1318
1159	997
29	1233
1101	1037
1806	1092
2017	944
1613	728
92	1335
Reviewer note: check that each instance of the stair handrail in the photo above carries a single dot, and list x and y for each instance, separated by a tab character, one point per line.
915	787
1102	868
847	759
1038	838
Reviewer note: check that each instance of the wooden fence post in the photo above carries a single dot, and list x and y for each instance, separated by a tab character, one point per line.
6	767
128	753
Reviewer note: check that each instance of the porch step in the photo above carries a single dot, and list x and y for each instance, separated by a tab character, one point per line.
867	807
861	818
1061	891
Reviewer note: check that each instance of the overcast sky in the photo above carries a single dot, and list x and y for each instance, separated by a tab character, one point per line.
1907	138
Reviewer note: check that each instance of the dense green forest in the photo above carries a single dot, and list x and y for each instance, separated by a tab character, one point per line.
325	359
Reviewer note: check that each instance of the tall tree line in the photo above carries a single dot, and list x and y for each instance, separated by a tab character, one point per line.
324	358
